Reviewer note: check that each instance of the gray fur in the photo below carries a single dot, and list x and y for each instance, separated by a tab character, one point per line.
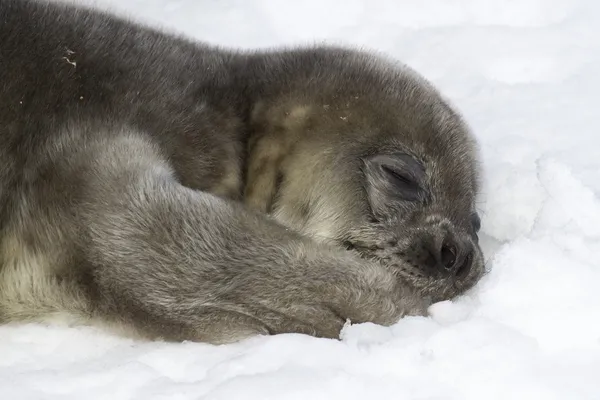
185	192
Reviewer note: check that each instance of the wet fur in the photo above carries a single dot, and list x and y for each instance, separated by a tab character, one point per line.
169	189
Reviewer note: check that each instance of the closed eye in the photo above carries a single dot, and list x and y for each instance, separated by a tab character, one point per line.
392	179
399	178
403	184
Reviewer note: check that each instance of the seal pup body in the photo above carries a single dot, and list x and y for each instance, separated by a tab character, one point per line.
179	191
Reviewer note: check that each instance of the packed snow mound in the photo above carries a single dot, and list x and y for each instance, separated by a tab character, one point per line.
524	74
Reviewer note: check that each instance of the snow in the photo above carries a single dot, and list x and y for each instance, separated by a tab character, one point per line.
524	73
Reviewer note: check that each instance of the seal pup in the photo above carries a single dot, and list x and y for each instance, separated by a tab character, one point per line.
174	190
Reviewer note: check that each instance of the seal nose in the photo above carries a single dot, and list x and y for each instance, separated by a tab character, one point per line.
456	258
450	256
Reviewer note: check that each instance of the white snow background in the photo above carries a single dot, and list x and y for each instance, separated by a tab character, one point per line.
525	75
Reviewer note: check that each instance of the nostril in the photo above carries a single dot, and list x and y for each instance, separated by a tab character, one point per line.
465	266
448	256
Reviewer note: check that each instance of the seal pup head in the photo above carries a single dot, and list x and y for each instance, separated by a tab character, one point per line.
360	151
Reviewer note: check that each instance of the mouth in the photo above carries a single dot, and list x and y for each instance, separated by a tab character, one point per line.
438	288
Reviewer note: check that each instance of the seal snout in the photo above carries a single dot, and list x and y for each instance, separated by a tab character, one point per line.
445	255
457	257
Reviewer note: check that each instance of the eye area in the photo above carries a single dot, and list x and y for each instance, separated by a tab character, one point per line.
392	181
401	174
400	178
404	185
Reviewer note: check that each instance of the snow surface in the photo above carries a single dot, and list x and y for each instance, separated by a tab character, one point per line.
524	73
